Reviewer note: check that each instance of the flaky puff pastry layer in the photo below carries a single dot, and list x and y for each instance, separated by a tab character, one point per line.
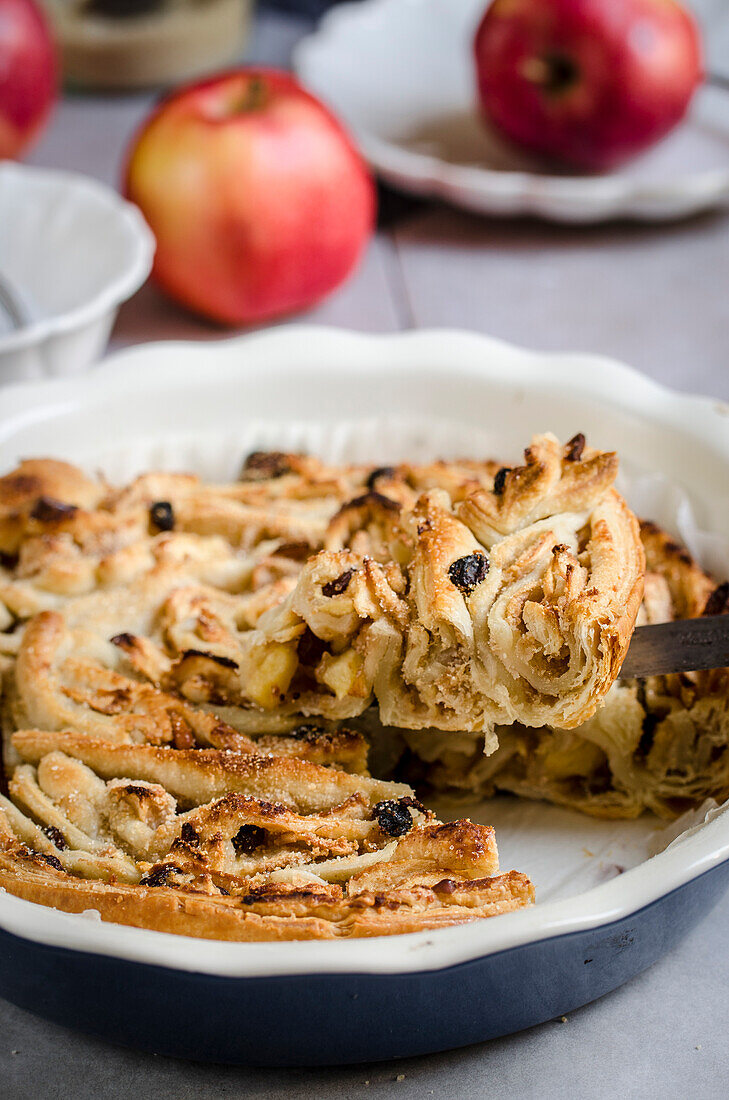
223	845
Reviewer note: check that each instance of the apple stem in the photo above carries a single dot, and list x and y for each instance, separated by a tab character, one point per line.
554	73
255	95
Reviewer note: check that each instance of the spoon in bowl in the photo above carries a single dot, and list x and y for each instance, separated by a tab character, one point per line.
10	304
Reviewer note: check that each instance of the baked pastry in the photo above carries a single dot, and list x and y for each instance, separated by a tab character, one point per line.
508	596
236	846
659	744
177	660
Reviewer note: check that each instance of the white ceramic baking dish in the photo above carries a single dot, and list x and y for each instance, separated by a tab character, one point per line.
196	405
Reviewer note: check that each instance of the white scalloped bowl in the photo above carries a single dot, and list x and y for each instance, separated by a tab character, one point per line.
71	251
400	74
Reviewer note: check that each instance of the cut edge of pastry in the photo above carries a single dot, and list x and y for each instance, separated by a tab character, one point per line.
659	745
174	840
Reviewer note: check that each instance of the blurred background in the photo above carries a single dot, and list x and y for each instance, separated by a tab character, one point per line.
652	293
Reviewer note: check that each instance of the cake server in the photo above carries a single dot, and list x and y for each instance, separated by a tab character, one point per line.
686	645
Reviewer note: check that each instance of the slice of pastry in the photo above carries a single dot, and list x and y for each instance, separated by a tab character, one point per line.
515	604
660	744
226	845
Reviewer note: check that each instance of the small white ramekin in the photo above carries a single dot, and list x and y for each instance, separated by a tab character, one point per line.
72	251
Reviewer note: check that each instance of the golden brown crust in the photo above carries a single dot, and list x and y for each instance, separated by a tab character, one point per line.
167	910
318	863
42	493
689	586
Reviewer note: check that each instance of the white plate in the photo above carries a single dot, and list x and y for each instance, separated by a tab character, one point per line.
400	74
198	404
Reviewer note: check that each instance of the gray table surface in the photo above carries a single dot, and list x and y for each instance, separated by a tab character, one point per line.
654	296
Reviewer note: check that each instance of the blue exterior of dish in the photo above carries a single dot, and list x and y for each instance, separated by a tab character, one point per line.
328	1019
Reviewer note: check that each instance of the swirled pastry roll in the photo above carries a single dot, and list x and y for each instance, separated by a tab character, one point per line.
236	846
660	744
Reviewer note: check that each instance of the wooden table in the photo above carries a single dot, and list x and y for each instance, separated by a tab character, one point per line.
657	297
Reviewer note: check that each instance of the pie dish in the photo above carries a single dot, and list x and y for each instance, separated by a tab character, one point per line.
168	643
594	937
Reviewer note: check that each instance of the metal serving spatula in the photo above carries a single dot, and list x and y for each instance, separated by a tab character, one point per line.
687	645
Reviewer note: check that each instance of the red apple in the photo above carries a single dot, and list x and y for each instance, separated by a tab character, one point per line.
27	74
587	82
257	197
